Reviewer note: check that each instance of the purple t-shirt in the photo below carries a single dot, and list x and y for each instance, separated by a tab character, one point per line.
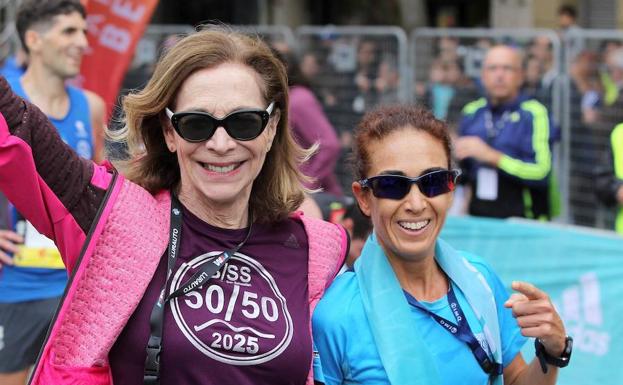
248	325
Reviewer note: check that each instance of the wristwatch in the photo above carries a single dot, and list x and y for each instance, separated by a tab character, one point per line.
545	358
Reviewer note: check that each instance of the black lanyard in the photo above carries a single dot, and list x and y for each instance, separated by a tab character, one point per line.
462	331
201	277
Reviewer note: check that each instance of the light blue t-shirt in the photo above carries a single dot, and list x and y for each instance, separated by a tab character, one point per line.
28	283
348	353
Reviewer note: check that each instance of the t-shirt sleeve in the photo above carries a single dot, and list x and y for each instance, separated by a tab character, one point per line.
330	339
318	375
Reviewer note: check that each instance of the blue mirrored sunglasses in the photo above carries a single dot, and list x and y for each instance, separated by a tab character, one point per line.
398	186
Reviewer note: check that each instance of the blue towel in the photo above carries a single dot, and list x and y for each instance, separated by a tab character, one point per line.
404	354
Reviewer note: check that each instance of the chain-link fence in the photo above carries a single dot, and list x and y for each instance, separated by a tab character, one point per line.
155	40
356	68
593	105
278	36
158	38
446	66
8	36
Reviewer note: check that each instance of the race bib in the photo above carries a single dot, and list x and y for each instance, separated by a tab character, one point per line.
37	251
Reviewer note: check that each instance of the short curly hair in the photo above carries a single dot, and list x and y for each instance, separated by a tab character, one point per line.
385	120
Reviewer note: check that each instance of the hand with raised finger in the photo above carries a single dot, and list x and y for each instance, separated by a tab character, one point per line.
8	244
537	317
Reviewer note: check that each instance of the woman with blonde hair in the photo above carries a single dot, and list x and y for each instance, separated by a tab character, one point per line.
190	265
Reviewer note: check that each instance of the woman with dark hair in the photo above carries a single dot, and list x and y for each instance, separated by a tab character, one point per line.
191	265
413	310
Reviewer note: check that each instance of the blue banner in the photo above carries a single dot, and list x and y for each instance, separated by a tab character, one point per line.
581	270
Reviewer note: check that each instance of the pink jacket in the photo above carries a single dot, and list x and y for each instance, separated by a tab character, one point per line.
111	265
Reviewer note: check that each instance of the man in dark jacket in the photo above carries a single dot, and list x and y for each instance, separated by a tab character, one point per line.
505	144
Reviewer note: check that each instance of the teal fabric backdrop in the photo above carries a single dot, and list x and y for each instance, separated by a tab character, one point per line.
581	270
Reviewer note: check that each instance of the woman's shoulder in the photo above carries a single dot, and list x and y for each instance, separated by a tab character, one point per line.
341	301
345	285
301	96
480	264
328	238
136	201
493	280
300	91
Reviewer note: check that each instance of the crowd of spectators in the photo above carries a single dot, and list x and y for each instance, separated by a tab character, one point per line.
349	77
350	74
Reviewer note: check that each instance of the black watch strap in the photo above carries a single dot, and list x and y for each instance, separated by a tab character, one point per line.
545	358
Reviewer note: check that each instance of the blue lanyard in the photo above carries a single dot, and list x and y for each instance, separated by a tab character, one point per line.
462	331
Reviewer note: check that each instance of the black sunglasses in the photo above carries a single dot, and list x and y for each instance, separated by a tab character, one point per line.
398	186
198	126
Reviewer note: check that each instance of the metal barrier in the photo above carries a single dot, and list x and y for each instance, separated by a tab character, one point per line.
279	36
446	72
470	45
8	34
159	37
358	68
591	109
154	41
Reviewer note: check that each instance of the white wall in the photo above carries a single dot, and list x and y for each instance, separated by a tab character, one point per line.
287	12
511	14
413	13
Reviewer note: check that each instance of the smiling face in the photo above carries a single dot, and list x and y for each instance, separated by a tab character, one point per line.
408	228
61	45
502	74
219	172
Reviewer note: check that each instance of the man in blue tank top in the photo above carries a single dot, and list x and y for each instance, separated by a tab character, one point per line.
14	65
32	280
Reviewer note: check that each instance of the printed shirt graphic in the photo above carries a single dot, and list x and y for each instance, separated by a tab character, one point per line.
39	272
248	325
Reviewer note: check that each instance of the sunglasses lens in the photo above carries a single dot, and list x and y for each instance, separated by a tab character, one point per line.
390	186
245	125
396	187
436	183
195	127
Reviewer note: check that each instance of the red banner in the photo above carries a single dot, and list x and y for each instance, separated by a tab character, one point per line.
115	27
